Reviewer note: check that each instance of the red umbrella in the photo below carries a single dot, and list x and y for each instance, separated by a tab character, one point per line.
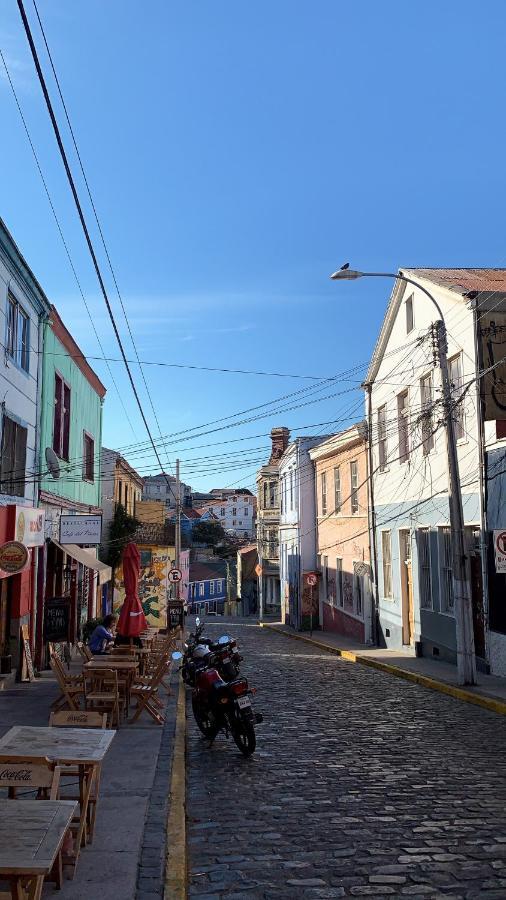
131	618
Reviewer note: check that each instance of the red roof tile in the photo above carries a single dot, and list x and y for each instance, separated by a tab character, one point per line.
465	279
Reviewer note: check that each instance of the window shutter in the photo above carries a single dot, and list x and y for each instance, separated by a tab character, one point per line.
19	461
7	463
66	421
57	423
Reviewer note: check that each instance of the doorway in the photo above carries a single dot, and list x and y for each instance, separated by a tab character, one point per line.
408	616
5	616
476	577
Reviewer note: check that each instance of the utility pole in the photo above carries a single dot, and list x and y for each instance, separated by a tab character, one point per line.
466	660
178	526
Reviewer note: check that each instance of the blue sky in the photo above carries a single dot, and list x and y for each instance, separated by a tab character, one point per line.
238	153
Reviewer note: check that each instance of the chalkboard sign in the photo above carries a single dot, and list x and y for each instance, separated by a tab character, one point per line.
27	673
57	619
175	615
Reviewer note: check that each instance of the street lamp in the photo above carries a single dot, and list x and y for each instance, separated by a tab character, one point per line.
466	662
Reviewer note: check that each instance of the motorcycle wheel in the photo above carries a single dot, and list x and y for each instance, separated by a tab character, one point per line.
244	736
201	716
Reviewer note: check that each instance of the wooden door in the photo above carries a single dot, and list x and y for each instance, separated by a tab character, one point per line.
4	615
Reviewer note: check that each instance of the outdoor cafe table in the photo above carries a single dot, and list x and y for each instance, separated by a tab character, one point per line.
83	748
127	667
31	834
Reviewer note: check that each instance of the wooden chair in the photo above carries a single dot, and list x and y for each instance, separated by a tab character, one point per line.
28	774
67	718
101	692
71	686
145	692
85	651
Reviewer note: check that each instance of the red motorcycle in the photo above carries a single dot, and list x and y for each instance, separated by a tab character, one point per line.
219	705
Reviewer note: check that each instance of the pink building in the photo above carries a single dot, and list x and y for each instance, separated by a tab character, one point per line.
342	538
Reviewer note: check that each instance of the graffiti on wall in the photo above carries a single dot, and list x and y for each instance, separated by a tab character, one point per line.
153	585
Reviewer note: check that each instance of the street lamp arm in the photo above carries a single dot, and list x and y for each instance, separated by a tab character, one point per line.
408	281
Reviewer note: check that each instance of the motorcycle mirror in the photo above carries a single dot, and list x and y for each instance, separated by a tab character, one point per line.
197	621
224	639
176	655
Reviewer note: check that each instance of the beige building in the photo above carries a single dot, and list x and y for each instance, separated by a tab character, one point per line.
121	484
342	537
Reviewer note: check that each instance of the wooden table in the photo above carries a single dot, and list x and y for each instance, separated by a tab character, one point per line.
84	748
127	667
31	835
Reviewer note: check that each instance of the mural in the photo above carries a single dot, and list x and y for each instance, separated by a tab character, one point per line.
153	584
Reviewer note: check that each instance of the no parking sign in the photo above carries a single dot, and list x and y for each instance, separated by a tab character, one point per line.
500	551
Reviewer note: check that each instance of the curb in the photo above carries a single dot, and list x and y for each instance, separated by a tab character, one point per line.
497	706
175	860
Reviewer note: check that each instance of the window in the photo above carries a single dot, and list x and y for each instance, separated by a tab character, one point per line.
446	571
88	458
382	438
339	581
13	458
337	490
291	490
403	425
61	426
234	522
358	589
246	511
222	511
455	376
424	574
210	509
426	415
220	585
234	511
240	521
323	480
386	546
325	577
410	320
265	495
17	341
211	588
201	589
272	493
354	487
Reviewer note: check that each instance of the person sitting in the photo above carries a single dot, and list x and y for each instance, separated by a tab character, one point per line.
102	637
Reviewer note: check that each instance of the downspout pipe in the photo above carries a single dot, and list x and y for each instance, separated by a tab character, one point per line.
482	459
371	516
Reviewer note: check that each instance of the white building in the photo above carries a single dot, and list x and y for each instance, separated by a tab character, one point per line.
415	593
268	509
297	528
236	513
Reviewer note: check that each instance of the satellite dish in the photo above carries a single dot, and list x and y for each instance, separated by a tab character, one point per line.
53	463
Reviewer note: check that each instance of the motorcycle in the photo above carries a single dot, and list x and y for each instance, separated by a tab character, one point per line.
225	650
219	705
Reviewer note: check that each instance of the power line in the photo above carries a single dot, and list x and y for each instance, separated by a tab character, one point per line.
83	223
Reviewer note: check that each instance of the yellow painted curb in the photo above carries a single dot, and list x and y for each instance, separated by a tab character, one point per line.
458	693
175	860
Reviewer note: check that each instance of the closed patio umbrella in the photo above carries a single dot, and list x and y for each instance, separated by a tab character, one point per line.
132	620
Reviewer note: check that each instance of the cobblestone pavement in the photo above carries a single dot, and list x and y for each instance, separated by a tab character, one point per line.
362	785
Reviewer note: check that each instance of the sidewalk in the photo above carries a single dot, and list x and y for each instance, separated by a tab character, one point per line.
490	692
128	855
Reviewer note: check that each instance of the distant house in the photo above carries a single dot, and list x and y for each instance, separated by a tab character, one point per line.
236	512
207	590
189	518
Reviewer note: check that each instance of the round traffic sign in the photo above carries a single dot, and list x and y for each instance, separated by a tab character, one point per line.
175	575
500	542
312	580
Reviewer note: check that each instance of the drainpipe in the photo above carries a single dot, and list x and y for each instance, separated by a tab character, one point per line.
482	463
371	516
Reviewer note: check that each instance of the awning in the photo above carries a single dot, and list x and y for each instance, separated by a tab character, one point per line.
87	559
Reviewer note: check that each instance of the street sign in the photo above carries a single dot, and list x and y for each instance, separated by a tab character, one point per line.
13	557
175	576
312	580
500	551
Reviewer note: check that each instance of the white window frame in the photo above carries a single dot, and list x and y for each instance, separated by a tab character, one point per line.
354	504
426	405
388	594
211	588
323	490
410	314
337	490
201	589
381	418
403	425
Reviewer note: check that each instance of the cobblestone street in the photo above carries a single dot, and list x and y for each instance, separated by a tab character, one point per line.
362	785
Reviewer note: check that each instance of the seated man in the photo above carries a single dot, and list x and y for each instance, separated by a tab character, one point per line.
103	638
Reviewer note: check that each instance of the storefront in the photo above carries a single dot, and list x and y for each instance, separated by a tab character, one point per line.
25	525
